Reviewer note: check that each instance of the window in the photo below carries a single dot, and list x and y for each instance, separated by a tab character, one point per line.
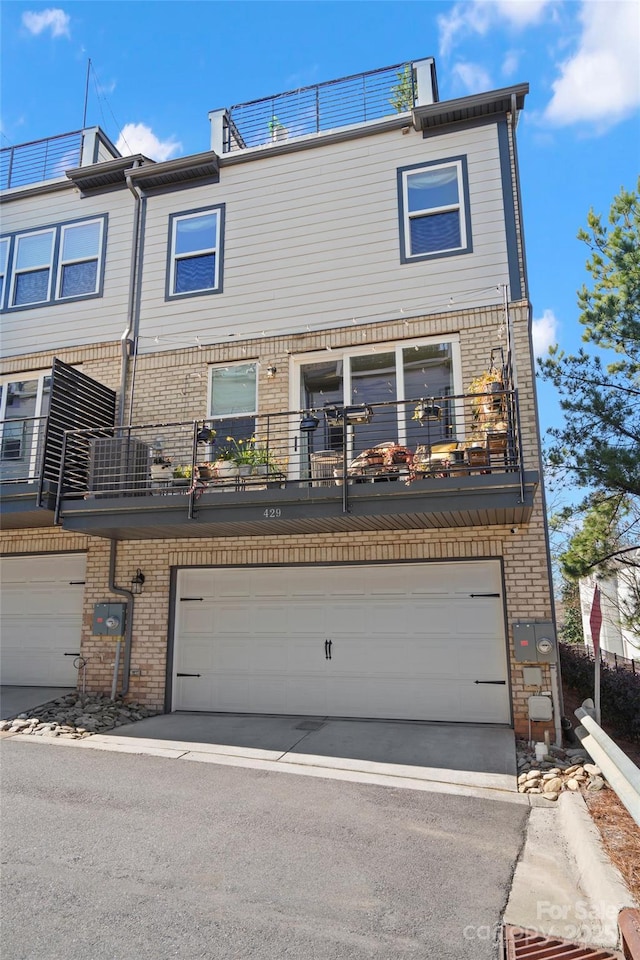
391	374
434	210
24	404
64	262
234	401
79	259
32	270
4	262
195	254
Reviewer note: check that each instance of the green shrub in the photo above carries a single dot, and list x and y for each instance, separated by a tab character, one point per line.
619	689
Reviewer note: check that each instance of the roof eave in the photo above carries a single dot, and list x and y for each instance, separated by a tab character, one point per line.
470	108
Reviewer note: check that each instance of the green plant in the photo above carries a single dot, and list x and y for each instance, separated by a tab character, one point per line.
242	451
619	689
404	91
226	454
275	127
182	471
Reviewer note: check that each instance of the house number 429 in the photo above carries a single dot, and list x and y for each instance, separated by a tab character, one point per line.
272	513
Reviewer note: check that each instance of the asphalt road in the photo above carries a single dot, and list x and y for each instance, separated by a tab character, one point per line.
117	857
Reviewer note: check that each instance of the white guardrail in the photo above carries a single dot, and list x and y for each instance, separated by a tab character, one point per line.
621	772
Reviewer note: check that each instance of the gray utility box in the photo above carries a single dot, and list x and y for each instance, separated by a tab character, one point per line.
535	641
108	619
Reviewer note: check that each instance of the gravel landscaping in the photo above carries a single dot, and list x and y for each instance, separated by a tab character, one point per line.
570	769
75	716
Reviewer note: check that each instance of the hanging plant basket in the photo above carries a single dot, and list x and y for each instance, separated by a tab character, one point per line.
427	412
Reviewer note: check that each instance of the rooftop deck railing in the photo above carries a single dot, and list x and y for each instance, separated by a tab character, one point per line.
322	106
333	447
39	160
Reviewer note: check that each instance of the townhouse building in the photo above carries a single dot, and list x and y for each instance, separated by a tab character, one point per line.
269	429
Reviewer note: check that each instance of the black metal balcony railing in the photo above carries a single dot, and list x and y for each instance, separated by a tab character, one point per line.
39	160
323	106
335	447
22	449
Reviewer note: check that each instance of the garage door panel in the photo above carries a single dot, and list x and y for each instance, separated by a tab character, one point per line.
408	641
41	618
196	617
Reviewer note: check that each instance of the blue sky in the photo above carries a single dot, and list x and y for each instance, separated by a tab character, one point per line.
159	67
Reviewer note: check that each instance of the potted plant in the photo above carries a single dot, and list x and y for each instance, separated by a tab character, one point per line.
225	465
206	471
277	130
488	403
427	410
182	475
243	455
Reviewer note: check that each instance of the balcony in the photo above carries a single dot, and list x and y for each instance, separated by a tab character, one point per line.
335	469
31	446
27	498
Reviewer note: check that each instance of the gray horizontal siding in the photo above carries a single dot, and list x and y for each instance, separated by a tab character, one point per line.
81	322
312	238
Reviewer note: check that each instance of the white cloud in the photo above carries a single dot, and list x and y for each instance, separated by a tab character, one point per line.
510	63
138	138
472	76
53	19
544	333
600	83
478	16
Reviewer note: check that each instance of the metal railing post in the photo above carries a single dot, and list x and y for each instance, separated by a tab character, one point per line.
56	512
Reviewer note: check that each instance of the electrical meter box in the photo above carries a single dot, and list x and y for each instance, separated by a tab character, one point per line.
108	619
535	641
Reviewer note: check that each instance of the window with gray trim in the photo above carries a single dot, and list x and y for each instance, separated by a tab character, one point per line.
62	262
433	210
4	263
195	254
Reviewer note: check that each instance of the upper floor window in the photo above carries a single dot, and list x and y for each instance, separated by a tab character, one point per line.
434	210
195	252
63	262
79	259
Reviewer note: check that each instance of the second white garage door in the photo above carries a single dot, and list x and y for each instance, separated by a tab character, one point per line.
41	619
402	641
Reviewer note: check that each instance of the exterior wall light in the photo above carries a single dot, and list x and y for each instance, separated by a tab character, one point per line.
137	582
271	372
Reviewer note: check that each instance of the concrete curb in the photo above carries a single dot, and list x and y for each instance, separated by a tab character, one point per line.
427	779
597	876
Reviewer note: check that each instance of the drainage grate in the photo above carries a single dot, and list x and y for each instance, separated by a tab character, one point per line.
310	725
522	944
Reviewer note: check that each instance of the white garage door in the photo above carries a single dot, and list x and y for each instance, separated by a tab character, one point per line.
404	641
40	619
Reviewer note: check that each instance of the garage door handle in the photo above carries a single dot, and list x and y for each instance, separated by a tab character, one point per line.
188	674
500	682
327	649
484	594
72	654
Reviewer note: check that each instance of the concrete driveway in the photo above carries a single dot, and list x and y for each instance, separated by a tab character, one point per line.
459	753
15	700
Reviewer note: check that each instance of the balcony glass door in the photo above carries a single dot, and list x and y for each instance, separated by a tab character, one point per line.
24	405
391	377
